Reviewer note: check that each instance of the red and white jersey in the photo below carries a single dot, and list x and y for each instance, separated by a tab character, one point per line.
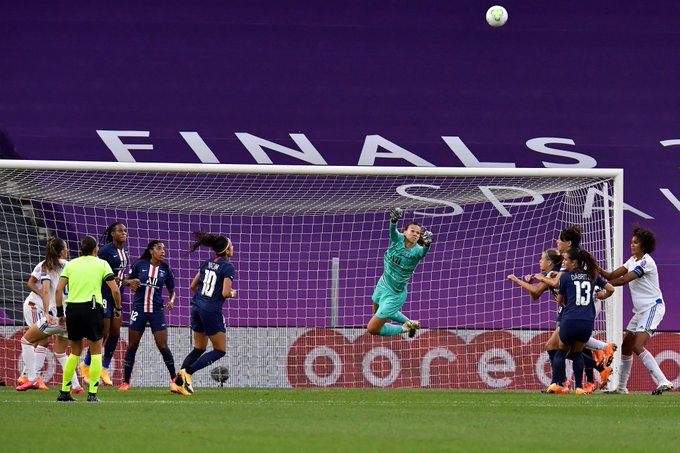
644	290
148	298
41	276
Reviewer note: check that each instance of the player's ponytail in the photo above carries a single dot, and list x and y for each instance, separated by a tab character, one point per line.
218	243
53	251
585	261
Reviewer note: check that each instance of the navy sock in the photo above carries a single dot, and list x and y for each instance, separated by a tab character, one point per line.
588	364
192	357
129	364
551	357
559	368
205	360
86	360
577	364
109	349
169	362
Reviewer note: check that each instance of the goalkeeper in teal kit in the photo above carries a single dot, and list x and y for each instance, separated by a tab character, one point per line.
406	250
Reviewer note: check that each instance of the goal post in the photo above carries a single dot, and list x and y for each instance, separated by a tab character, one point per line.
309	244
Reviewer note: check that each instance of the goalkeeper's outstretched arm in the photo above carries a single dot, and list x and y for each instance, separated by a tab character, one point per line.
396	214
428	237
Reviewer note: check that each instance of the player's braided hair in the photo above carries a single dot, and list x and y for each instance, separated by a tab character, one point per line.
218	243
53	249
107	237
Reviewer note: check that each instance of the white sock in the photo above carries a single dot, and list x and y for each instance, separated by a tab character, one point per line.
28	354
62	358
624	372
653	368
40	353
595	344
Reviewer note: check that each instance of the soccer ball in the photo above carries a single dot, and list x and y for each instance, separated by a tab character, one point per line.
220	374
497	16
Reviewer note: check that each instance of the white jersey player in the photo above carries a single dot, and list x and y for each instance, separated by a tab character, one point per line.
41	306
34	305
641	275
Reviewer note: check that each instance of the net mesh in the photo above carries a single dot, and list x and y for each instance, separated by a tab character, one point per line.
308	253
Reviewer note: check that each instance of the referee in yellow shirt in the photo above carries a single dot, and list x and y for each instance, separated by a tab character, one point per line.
84	312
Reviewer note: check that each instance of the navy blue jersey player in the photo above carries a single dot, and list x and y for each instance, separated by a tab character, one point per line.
577	293
211	287
114	252
148	308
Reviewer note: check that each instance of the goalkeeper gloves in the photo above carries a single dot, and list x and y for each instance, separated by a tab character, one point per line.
396	214
427	238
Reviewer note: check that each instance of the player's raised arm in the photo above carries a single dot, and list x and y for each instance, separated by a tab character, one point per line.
396	214
428	237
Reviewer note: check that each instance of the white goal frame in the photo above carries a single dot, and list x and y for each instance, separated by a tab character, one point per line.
614	329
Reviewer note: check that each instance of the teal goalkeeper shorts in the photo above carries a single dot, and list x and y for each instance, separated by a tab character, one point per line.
388	302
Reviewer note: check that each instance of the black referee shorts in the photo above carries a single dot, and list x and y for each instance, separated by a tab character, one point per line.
84	321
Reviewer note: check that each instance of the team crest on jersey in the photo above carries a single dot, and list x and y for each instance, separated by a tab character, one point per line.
643	263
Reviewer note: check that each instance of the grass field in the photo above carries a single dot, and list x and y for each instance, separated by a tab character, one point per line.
340	420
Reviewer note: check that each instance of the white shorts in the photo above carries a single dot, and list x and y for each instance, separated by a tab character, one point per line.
51	329
32	312
648	320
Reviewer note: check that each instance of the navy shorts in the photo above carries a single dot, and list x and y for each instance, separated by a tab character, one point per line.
207	322
139	320
108	307
575	331
559	315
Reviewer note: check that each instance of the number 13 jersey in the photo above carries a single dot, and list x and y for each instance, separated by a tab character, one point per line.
579	295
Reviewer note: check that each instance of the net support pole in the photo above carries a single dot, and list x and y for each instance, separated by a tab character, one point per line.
335	291
615	327
609	256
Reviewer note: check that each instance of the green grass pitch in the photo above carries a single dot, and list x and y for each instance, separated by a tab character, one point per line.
297	420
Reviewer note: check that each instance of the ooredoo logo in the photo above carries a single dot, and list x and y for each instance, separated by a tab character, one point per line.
442	359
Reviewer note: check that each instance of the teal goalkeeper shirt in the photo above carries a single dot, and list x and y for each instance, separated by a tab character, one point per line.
400	262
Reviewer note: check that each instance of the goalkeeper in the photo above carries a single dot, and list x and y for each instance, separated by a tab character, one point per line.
401	259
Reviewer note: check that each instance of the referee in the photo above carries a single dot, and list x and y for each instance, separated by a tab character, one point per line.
84	312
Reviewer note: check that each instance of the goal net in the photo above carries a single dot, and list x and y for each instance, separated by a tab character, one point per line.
309	245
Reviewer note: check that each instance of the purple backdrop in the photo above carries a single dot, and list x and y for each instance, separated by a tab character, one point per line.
596	80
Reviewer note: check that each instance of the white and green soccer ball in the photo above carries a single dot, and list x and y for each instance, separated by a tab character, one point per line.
497	16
